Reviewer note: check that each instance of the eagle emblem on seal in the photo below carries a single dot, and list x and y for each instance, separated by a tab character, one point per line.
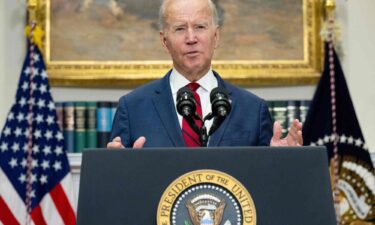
206	209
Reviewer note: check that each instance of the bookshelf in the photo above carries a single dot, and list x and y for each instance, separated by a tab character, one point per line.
278	108
88	124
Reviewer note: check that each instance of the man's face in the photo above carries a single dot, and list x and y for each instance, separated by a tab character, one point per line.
190	37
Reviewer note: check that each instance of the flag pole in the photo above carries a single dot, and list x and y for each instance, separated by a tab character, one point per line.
32	8
330	17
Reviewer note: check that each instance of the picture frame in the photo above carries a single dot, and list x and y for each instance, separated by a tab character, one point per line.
284	51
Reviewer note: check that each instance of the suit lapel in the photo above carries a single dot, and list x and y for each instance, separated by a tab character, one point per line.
163	102
218	135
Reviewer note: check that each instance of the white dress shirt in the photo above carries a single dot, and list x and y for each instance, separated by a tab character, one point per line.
207	83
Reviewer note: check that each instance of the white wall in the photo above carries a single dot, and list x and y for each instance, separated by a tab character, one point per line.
361	64
358	35
2	60
12	52
357	19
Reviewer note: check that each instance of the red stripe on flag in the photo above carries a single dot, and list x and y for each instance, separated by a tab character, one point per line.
6	216
63	206
37	216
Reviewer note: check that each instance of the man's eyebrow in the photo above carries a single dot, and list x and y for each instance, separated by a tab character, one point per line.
178	24
205	23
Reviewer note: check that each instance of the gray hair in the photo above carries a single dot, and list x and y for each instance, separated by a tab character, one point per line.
162	16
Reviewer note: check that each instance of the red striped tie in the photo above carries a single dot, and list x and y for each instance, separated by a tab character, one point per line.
192	138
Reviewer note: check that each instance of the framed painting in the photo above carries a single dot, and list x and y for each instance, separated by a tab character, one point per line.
115	43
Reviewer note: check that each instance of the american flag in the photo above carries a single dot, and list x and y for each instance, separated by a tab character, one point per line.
35	182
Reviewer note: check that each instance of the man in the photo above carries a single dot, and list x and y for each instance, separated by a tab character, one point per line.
147	117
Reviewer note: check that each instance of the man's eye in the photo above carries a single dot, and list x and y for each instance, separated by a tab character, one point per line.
201	27
179	29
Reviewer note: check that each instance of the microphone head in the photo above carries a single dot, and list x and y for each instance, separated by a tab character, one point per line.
218	92
185	102
220	102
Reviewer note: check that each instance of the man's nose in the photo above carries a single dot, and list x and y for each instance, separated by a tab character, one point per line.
191	37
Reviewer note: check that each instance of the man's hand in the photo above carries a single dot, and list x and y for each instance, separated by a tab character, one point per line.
294	137
116	143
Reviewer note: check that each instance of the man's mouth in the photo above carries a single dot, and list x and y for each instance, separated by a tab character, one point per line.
192	53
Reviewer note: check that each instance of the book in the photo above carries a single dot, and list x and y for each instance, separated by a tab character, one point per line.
114	109
91	129
80	141
69	126
104	123
303	109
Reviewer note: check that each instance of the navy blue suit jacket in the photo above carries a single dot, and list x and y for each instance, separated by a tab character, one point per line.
150	111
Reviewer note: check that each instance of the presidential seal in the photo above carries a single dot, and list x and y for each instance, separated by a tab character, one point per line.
206	197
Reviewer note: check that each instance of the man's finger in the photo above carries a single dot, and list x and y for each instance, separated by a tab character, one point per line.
299	126
292	138
117	139
296	125
276	131
300	138
139	142
115	143
295	132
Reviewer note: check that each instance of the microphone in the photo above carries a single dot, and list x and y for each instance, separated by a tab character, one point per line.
185	102
186	106
220	107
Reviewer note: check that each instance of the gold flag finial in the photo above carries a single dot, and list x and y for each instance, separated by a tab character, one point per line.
330	5
32	3
32	6
34	30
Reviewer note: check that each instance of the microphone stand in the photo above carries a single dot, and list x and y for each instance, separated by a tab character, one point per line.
202	132
203	137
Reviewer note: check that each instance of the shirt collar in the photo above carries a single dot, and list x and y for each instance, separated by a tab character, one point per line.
207	82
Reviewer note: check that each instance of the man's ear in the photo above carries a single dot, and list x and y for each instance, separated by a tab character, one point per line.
163	40
217	36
